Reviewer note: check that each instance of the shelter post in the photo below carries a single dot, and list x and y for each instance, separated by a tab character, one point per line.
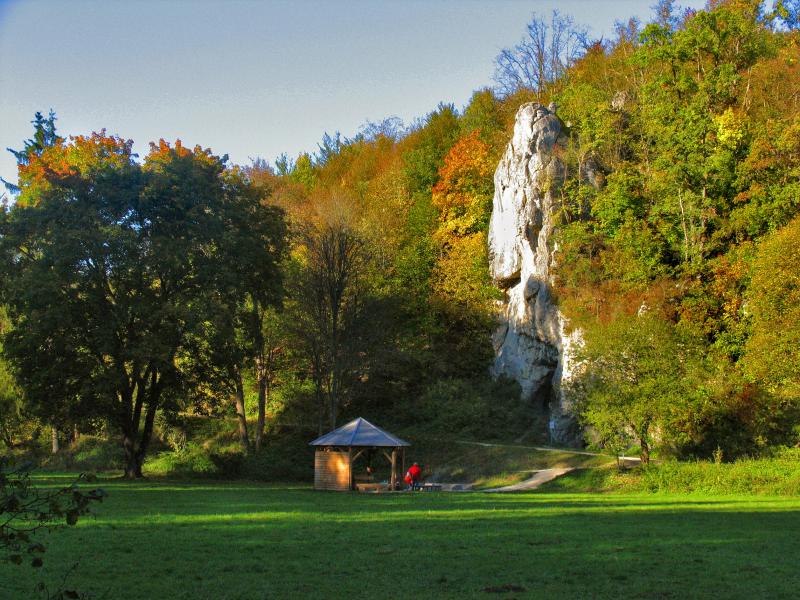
350	465
394	469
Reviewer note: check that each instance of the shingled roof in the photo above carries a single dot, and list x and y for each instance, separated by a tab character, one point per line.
359	432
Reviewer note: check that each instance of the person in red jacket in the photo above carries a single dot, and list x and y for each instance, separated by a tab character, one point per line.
413	475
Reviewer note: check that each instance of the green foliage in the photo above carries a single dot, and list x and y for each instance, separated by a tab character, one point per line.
696	164
621	200
637	380
428	146
91	453
483	114
303	171
11	401
635	255
44	136
26	510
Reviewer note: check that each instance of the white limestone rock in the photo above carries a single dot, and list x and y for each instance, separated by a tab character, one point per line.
531	342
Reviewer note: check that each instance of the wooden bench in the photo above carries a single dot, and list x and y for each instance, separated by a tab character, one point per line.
371	487
430	487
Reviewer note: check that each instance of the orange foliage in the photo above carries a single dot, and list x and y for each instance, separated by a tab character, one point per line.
463	193
162	153
80	157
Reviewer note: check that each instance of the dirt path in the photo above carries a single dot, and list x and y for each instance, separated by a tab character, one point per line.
541	477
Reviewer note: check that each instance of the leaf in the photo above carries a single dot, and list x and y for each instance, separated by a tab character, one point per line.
36	562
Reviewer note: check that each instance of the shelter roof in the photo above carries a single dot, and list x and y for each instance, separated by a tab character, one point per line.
359	432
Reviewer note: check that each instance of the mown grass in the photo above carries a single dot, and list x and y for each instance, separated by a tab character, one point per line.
251	541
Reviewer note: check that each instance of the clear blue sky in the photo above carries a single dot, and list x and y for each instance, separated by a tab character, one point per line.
251	78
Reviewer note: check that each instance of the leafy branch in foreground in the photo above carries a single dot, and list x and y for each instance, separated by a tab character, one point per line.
26	510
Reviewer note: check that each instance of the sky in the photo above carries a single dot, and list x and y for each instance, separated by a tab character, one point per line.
255	79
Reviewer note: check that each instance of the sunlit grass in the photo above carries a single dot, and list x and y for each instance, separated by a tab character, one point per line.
243	541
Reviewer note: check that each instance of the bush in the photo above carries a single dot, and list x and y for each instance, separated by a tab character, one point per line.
229	465
88	453
193	461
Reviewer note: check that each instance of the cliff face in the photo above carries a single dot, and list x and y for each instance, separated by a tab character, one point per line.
531	344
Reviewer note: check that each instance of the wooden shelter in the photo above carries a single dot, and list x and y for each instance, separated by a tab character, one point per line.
337	452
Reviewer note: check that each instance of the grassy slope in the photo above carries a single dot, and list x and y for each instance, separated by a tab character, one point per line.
778	475
492	464
214	453
246	540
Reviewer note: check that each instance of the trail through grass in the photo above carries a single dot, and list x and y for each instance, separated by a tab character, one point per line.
251	541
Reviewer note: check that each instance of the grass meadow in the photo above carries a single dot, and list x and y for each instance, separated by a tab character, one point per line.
238	540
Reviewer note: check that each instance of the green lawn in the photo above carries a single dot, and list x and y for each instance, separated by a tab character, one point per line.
161	539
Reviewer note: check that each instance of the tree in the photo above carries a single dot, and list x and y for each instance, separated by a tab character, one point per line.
542	56
271	350
44	136
110	271
636	379
330	297
10	394
689	116
255	246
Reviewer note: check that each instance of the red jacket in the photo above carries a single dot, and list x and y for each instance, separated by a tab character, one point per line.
414	473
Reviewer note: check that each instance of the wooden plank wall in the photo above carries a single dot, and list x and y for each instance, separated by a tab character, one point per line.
332	471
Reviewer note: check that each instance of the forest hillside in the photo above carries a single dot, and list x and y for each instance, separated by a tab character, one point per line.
182	298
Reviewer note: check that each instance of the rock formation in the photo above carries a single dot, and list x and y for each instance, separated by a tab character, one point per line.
531	343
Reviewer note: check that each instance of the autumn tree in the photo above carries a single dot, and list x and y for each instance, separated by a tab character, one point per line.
110	269
44	136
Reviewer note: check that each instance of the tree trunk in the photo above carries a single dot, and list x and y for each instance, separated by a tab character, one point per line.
54	440
133	468
320	407
244	439
263	398
332	407
645	451
135	454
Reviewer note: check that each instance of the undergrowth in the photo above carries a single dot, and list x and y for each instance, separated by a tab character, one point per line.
775	475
